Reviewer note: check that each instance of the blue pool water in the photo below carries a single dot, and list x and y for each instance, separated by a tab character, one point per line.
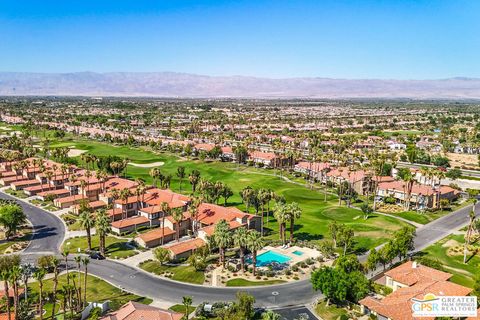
269	257
297	253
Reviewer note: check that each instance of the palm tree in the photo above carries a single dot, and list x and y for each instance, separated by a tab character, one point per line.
294	212
255	243
240	239
280	213
262	198
187	302
194	178
55	264
39	275
166	211
115	194
177	217
124	195
469	232
154	172
65	254
180	175
87	222
78	261
5	276
222	238
27	271
103	227
85	262
193	210
15	276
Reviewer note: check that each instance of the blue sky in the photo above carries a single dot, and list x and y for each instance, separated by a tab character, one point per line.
338	38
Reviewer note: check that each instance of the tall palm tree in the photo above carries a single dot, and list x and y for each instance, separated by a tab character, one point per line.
255	243
187	302
87	222
280	214
222	238
194	178
39	275
180	175
78	261
15	277
240	239
166	211
65	254
85	262
468	234
115	194
124	195
177	215
294	212
193	210
55	264
262	197
103	227
5	276
154	174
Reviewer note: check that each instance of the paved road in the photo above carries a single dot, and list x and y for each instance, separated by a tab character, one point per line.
294	313
442	227
49	231
469	173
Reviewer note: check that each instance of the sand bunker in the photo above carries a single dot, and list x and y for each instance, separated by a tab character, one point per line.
75	152
147	165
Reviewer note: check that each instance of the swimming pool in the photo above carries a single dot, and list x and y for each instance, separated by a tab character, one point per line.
269	257
297	253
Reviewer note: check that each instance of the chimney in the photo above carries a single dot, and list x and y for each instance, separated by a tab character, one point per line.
414	264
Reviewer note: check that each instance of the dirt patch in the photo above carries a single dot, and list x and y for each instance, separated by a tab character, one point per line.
147	165
459	160
451	243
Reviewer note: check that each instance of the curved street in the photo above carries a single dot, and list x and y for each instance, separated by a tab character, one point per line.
49	233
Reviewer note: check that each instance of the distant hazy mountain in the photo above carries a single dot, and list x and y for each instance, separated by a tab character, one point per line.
168	84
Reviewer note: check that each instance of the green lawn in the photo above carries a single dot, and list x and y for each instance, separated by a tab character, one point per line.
115	248
239	282
181	308
330	312
462	273
313	224
19	194
180	273
97	291
72	221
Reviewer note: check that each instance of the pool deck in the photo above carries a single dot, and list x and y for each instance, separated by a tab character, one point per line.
307	253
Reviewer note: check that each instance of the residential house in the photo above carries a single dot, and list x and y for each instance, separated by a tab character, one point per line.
408	281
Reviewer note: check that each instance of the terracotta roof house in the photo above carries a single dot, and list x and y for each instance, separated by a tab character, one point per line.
137	311
421	196
410	280
185	248
210	214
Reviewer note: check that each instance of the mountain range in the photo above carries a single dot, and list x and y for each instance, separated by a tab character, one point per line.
183	85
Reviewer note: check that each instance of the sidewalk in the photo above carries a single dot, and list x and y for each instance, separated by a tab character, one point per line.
137	259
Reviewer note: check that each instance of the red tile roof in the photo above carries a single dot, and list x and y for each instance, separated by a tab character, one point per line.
137	311
124	223
186	246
